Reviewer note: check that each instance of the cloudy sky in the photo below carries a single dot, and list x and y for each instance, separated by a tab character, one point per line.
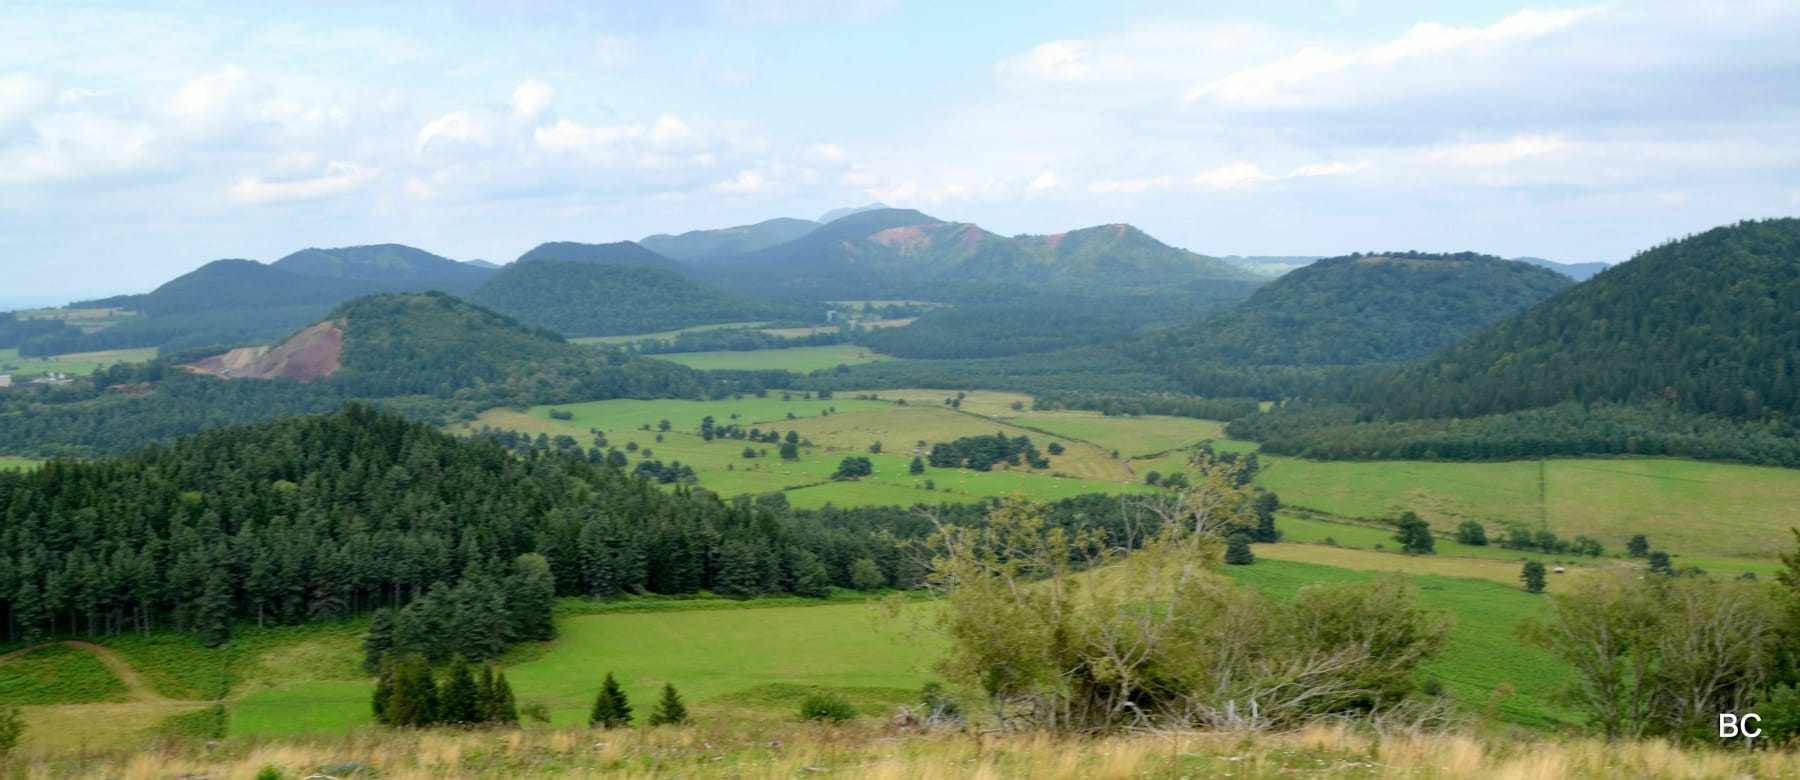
140	140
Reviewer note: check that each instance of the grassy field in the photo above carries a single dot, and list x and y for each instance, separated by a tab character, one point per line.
800	359
1484	651
663	335
828	438
1130	436
75	363
1701	511
57	674
88	320
9	463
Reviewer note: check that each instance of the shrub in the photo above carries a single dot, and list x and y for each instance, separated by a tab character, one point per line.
11	730
826	706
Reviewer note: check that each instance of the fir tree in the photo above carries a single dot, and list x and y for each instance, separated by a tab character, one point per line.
486	693
462	702
380	640
502	708
414	701
917	467
611	708
1237	550
384	688
212	615
669	709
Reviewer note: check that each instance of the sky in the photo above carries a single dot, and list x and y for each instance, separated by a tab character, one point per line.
141	140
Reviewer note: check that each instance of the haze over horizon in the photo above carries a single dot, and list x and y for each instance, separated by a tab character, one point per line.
138	141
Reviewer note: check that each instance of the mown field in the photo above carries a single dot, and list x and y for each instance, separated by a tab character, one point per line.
89	320
799	359
75	363
794	333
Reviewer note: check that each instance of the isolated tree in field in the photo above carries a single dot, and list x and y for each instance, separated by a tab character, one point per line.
865	575
917	467
1414	535
793	437
854	467
1054	448
1472	533
611	709
669	710
1533	576
790	451
462	703
1660	563
380	639
1237	550
1638	546
875	449
749	452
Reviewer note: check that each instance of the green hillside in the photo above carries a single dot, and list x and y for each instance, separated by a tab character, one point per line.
387	261
1360	309
585	299
616	253
708	244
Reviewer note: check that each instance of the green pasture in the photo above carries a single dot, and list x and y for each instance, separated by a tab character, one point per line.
664	335
9	463
1484	652
1130	436
799	359
1700	511
74	363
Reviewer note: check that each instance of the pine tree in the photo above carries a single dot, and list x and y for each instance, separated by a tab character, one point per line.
380	639
1638	546
486	693
531	598
1237	550
917	467
669	709
611	708
502	708
414	701
462	702
212	613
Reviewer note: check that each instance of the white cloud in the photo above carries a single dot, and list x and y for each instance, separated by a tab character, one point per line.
19	96
212	95
1232	176
1064	60
825	155
532	98
1044	182
1498	153
748	183
72	146
1314	76
455	127
670	134
1131	186
339	178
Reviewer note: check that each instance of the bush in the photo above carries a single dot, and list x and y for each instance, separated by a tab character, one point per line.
826	706
11	730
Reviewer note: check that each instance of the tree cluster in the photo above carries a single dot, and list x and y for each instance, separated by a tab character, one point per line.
982	453
407	694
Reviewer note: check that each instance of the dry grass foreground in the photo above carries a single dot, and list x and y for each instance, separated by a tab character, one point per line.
871	752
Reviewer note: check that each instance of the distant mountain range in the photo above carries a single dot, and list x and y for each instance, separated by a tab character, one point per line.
1580	272
725	242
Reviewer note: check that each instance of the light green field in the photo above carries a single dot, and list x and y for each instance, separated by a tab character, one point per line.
663	335
1484	651
1702	511
722	661
1131	436
74	363
828	438
9	463
798	359
57	674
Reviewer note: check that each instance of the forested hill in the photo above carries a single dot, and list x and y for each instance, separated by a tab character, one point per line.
616	253
584	299
1360	309
703	245
1690	349
326	517
904	253
432	355
423	269
1710	323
